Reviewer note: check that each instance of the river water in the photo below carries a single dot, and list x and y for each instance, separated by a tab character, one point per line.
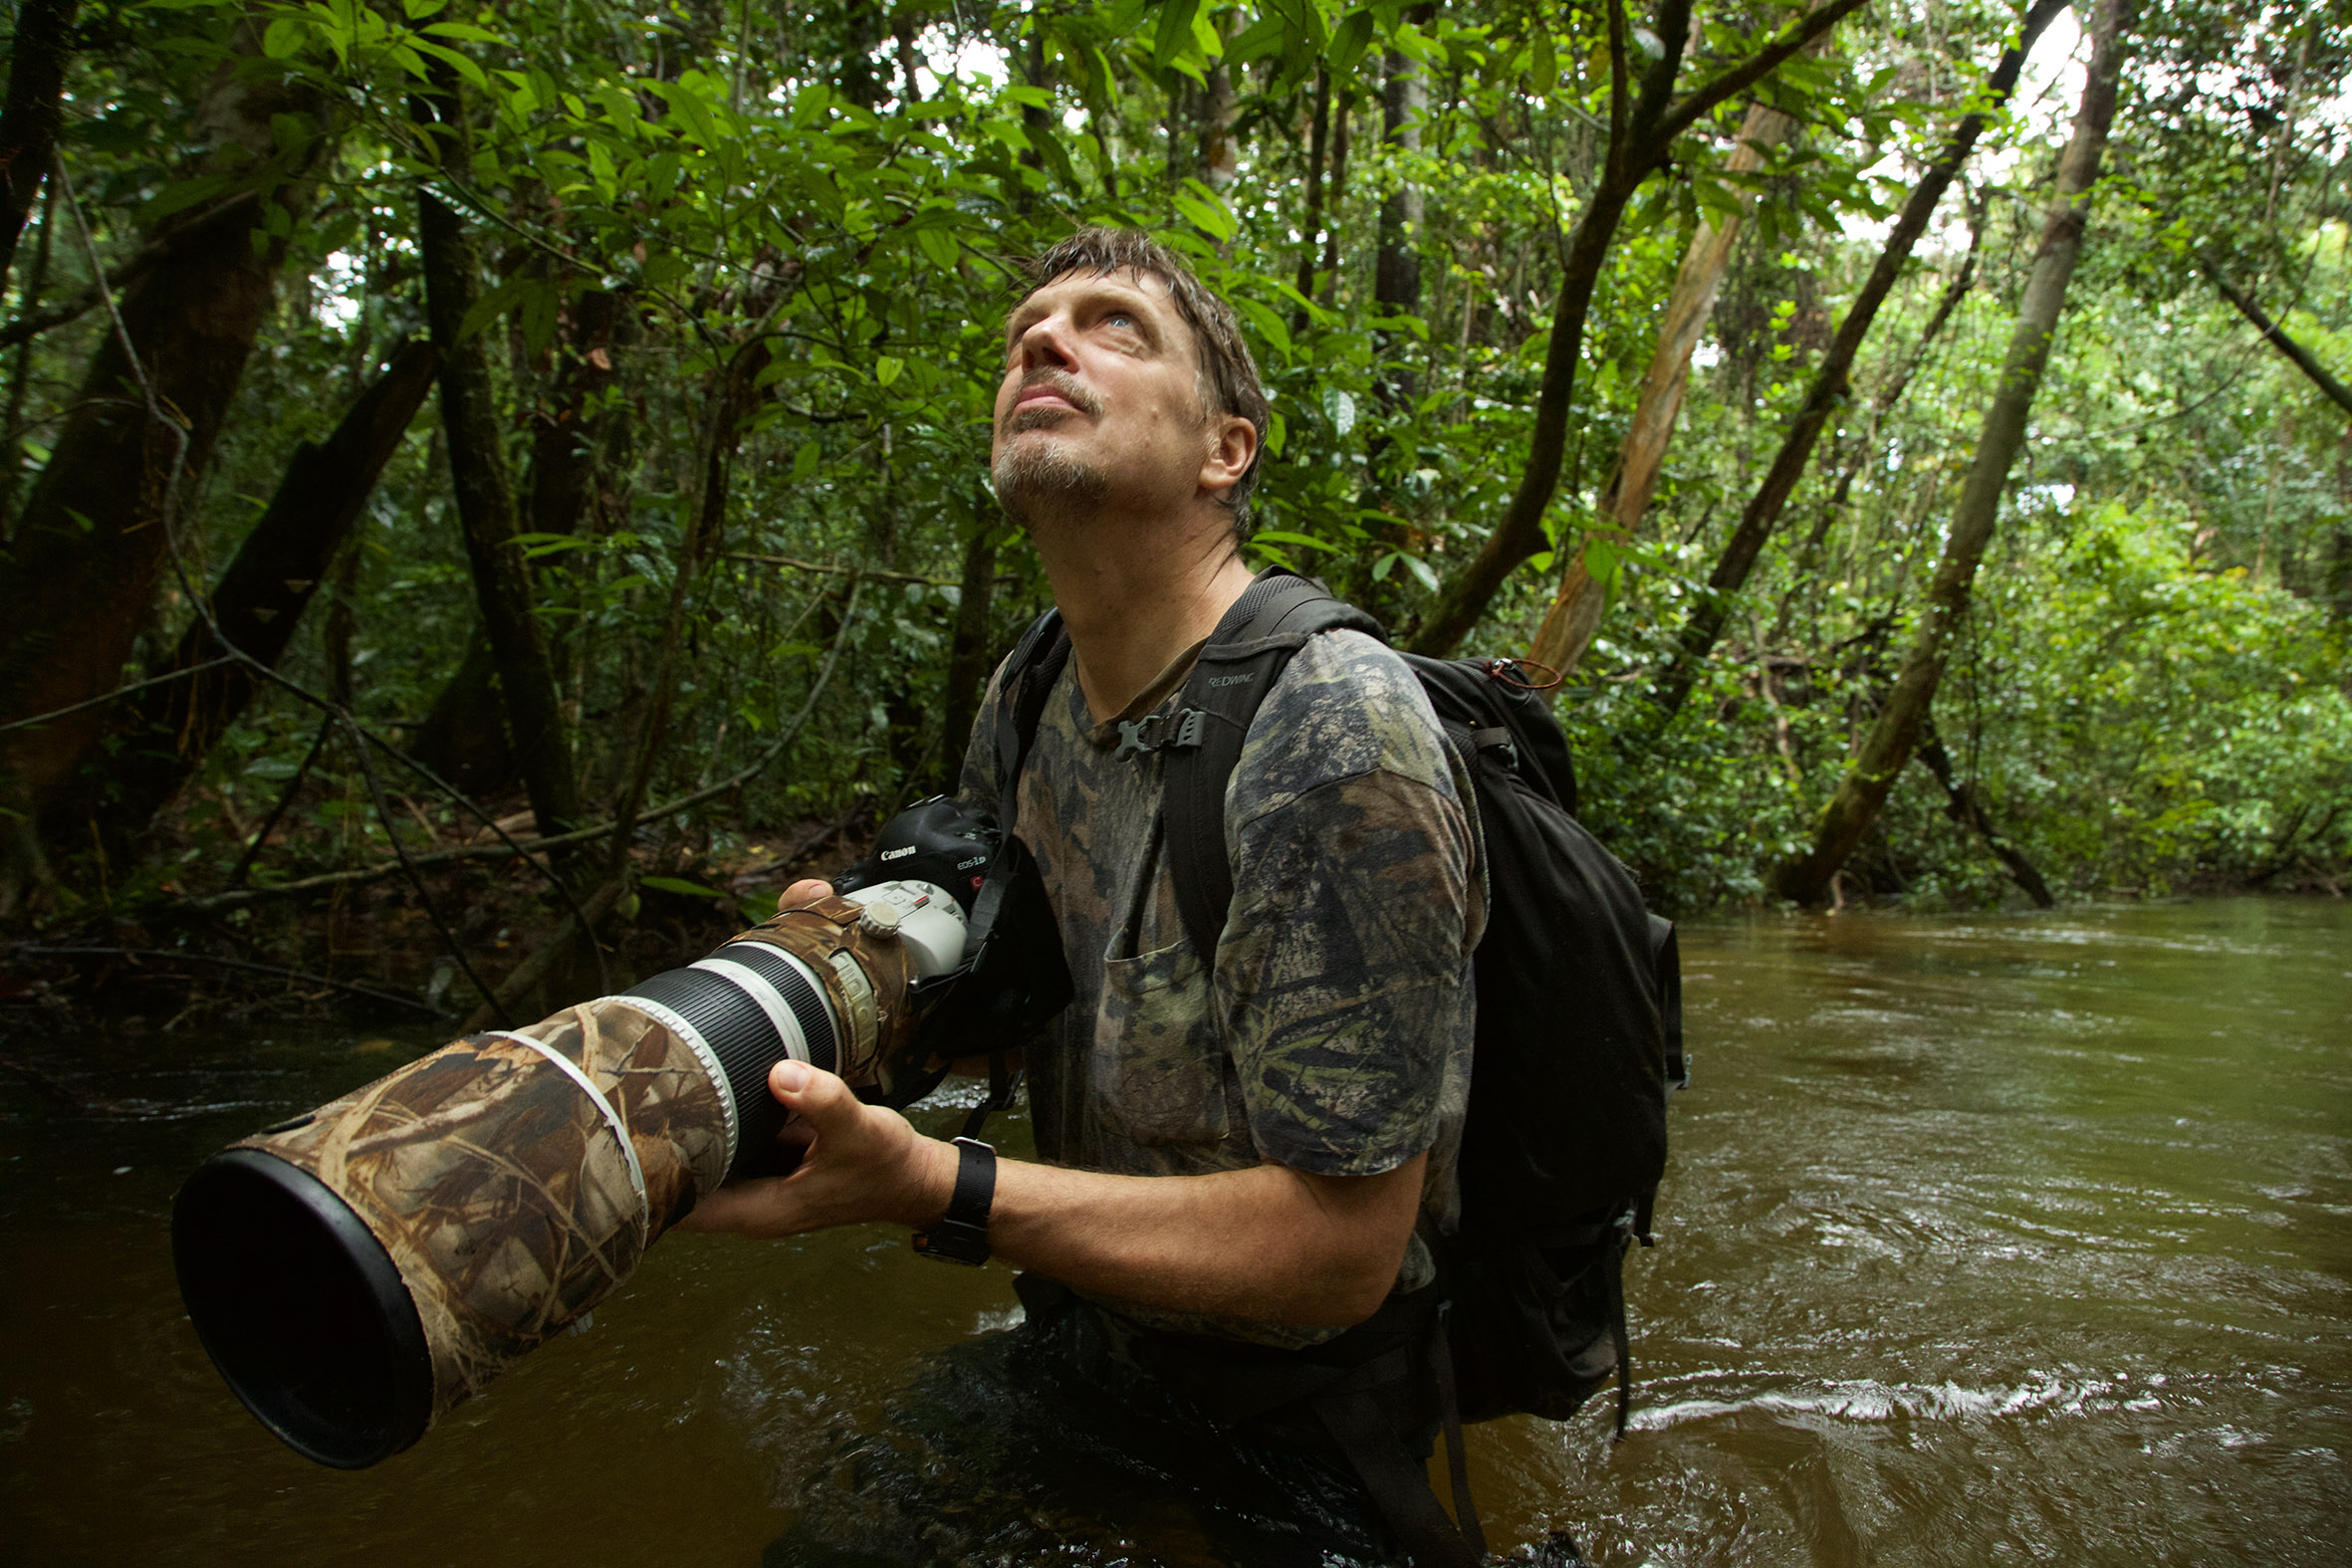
1985	1241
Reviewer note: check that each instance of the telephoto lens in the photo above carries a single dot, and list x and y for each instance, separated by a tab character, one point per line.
356	1271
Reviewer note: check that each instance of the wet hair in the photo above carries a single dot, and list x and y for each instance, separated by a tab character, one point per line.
1229	382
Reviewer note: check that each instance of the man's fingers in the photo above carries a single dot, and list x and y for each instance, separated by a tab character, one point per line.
806	891
735	1209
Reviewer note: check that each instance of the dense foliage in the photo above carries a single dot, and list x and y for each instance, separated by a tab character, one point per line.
740	273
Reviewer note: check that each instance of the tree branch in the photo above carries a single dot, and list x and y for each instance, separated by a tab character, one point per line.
2337	392
1739	79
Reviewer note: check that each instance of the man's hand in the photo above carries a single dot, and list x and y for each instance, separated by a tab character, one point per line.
864	1163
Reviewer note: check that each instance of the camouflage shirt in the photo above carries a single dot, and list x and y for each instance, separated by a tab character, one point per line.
1332	1032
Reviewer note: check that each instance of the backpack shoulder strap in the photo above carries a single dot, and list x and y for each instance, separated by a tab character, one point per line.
1244	657
1037	663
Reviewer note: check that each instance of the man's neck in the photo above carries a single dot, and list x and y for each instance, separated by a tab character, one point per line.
1135	594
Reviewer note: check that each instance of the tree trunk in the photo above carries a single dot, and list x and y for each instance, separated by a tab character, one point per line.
1220	151
1310	221
968	655
29	118
562	444
98	526
2338	589
1396	267
463	737
732	398
261	597
1831	382
1850	465
1576	608
20	374
1864	788
1335	199
1645	123
485	495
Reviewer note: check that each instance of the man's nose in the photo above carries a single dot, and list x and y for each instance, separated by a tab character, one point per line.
1045	343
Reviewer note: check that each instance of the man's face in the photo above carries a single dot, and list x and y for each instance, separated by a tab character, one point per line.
1100	401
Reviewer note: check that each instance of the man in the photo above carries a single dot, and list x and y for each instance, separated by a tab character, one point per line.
1240	1147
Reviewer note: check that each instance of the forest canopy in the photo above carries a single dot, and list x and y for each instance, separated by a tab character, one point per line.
473	468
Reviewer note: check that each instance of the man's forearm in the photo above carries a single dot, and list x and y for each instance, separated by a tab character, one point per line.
1266	1242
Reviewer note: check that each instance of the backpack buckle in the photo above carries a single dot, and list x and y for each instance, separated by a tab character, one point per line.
1498	740
1138	736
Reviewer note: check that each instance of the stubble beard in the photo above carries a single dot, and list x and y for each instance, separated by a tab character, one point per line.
1041	483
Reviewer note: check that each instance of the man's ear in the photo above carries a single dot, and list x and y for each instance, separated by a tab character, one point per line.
1232	446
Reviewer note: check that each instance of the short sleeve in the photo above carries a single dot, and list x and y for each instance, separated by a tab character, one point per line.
1345	971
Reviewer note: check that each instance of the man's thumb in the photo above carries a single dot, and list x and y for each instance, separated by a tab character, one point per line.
803	1089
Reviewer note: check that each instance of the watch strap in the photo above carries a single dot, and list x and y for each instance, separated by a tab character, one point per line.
962	1235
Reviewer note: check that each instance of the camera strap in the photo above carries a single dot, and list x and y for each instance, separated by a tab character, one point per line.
1004	1083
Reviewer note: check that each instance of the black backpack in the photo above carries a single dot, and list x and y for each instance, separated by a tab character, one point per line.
1579	992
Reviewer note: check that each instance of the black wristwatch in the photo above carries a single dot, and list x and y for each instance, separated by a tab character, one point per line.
962	1237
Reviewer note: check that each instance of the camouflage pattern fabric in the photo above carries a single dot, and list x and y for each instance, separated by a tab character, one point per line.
499	1189
1332	1032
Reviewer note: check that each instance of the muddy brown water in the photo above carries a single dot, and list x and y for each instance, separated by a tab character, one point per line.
1986	1240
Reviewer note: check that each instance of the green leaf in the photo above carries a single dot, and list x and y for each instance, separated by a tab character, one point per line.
1280	536
461	63
1205	34
1543	63
1199	204
887	370
285	38
490	306
939	248
1349	43
804	461
1270	326
1174	32
678	884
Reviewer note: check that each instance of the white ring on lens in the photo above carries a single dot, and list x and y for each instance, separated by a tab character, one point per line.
755	985
588	1086
702	1053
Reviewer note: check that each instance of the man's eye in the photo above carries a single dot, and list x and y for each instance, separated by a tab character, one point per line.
1119	318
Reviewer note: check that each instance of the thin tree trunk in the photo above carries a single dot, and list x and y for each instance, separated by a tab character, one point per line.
1577	608
264	592
98	527
1220	152
732	400
1310	222
2302	358
2339	580
31	114
485	494
1396	266
1850	465
1645	123
1888	746
968	655
463	737
12	455
1965	804
1831	382
1335	204
562	445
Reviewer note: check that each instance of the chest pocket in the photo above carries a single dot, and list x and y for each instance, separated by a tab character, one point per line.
1158	1071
